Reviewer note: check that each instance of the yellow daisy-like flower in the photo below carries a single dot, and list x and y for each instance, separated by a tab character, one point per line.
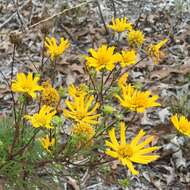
128	58
181	124
74	91
55	50
136	100
49	95
135	38
136	151
43	118
47	143
122	79
26	84
81	129
103	58
82	110
154	51
120	25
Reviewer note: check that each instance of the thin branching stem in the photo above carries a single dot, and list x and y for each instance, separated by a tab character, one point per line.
101	16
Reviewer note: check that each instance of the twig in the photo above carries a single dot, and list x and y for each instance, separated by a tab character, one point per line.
114	8
102	18
13	15
13	60
59	14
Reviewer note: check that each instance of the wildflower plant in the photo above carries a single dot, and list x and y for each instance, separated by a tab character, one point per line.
56	131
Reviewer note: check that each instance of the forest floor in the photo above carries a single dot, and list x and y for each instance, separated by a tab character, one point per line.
83	26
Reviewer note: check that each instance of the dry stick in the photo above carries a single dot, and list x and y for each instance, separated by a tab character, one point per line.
101	15
60	13
18	14
42	60
13	15
13	60
68	33
108	77
114	8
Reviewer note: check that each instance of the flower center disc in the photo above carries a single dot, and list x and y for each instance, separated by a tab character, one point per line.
125	151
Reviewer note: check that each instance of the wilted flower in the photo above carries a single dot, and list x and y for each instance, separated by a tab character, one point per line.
135	38
154	51
127	153
77	91
47	143
84	130
49	95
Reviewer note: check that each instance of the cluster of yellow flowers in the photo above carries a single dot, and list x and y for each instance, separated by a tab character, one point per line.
83	109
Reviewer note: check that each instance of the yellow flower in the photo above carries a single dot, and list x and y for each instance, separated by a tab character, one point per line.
122	80
136	151
26	84
103	58
136	100
120	25
55	50
181	124
47	143
77	91
43	118
154	51
49	95
84	130
135	38
128	58
81	110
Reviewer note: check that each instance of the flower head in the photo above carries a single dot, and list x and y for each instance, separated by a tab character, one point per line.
84	130
154	51
181	124
55	50
77	91
26	84
135	38
128	58
103	58
136	100
120	25
43	118
81	110
122	79
135	151
49	95
47	143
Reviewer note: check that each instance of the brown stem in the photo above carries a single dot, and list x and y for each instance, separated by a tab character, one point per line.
13	60
102	18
